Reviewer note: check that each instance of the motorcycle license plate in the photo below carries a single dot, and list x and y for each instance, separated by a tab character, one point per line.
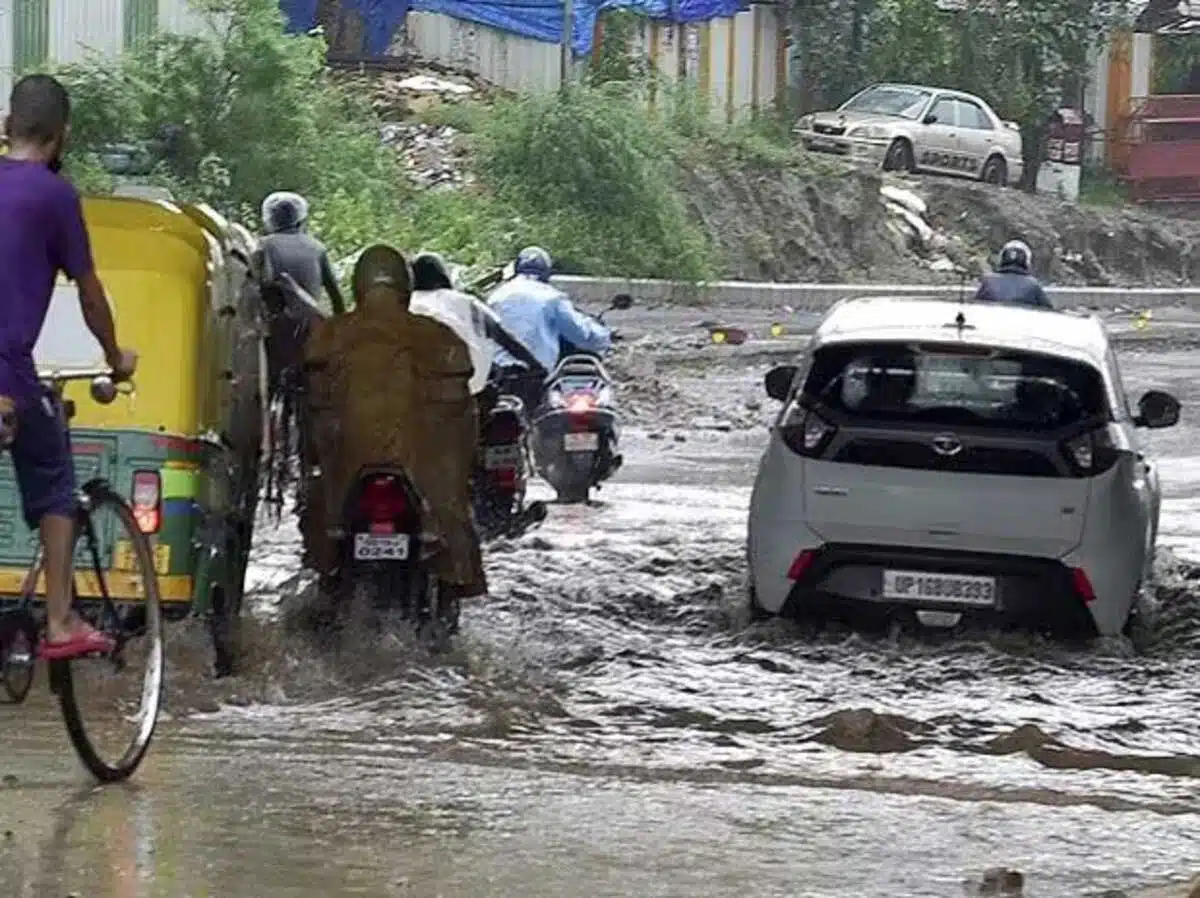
581	442
499	457
373	547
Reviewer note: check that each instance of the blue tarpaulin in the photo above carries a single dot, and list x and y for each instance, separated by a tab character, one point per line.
380	19
538	19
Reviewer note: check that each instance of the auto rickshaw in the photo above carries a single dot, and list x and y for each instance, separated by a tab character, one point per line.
184	447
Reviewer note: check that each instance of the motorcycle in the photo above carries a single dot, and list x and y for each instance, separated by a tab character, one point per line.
385	556
498	492
575	430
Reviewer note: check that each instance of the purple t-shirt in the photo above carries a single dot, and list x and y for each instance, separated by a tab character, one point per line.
41	233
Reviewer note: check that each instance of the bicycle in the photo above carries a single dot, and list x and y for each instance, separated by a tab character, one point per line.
127	622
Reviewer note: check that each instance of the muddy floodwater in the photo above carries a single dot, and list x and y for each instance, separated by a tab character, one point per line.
611	725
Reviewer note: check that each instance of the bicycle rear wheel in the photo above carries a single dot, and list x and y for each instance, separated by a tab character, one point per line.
111	704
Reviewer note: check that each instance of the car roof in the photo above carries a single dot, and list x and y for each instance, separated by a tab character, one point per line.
925	87
1023	328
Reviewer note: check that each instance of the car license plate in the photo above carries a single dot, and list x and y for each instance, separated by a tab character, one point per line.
372	547
822	143
959	589
581	442
502	457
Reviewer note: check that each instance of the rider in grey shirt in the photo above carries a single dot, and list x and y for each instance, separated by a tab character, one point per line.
288	249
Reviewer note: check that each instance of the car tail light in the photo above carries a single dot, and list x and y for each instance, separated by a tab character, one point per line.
1082	585
1091	453
800	564
806	432
382	503
147	500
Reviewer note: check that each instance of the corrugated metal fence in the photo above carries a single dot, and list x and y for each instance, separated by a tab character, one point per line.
738	63
34	32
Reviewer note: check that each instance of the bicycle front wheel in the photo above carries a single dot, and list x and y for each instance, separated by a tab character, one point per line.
111	704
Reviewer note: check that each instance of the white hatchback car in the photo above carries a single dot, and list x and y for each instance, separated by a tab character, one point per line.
950	460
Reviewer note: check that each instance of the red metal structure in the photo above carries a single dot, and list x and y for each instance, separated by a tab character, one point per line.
1162	133
1164	148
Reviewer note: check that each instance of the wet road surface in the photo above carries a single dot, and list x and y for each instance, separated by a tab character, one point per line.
611	725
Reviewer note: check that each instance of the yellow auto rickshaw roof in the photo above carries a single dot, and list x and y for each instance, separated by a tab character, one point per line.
148	217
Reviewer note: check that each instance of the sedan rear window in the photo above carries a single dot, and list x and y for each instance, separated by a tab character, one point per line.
955	385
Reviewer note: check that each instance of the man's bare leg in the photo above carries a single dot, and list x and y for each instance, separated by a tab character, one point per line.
58	533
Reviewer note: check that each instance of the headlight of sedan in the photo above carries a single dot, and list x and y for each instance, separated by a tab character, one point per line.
805	123
868	132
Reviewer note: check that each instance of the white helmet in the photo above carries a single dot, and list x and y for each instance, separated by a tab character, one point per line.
1017	254
284	211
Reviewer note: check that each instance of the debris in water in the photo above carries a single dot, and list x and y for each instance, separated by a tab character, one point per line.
1001	881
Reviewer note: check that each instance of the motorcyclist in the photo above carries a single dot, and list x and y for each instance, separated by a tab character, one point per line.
422	421
289	250
480	328
1013	281
543	318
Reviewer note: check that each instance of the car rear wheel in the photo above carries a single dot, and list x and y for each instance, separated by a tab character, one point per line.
899	156
995	171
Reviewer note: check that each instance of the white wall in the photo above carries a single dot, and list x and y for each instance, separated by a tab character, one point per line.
77	26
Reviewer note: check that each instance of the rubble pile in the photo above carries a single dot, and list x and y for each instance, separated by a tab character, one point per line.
433	154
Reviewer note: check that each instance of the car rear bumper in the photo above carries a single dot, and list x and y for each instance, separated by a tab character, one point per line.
844	580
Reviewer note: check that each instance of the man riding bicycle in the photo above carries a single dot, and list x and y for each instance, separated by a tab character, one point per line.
42	233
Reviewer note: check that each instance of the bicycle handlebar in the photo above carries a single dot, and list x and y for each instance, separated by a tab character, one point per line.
104	389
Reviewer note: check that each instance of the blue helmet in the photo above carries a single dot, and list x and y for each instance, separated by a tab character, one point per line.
535	262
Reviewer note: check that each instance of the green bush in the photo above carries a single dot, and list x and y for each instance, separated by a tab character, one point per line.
588	170
256	111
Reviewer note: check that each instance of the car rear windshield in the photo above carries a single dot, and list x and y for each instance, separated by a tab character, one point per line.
887	99
946	385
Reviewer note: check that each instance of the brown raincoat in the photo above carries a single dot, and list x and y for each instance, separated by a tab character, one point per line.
386	387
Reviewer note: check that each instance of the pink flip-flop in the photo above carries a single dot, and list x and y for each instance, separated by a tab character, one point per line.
89	642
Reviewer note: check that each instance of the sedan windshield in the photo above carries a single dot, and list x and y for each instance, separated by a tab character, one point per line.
889	99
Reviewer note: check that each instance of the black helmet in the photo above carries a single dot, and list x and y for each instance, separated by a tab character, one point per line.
430	272
1016	254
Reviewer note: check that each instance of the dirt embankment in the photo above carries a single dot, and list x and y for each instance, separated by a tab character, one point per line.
818	219
827	223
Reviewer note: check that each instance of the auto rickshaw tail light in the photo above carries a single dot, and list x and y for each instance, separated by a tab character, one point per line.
147	500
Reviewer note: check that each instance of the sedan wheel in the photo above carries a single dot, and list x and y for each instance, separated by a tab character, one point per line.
899	157
995	171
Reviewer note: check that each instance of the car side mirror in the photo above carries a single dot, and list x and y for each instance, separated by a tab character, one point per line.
1157	409
778	381
930	119
621	302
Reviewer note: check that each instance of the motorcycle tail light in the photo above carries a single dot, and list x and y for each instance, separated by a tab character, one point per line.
382	504
580	403
503	429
